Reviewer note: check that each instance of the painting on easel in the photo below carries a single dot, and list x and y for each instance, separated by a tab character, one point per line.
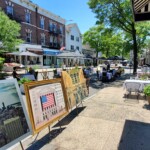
46	102
14	121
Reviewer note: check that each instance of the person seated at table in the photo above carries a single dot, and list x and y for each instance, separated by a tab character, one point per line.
119	71
104	69
15	75
31	71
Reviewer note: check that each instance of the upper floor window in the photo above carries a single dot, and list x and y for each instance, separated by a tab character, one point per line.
77	48
27	17
42	23
51	26
43	39
72	37
77	39
61	41
9	10
51	40
55	27
61	29
72	47
28	37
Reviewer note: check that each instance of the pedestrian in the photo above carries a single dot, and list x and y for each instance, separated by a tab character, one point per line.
108	66
15	75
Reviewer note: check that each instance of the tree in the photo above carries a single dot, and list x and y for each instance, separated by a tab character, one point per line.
117	14
9	33
93	38
104	40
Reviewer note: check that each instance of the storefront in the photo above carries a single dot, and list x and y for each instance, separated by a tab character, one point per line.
49	57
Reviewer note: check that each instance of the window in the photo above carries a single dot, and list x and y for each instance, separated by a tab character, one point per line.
28	37
61	42
51	26
55	27
51	40
55	41
42	39
72	37
42	23
77	39
61	29
9	10
27	17
72	47
77	48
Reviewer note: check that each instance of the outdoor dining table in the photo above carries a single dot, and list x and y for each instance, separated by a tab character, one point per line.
142	84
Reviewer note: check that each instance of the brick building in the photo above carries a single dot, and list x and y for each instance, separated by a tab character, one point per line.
39	27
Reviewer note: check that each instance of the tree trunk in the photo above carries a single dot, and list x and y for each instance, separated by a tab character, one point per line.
96	58
135	49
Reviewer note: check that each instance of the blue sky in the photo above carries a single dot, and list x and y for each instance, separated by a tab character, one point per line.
76	10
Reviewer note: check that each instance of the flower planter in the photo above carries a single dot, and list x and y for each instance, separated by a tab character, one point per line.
148	99
22	89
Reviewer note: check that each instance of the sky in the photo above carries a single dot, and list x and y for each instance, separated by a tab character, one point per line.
76	10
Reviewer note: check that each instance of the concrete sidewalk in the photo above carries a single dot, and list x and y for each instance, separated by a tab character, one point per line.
106	122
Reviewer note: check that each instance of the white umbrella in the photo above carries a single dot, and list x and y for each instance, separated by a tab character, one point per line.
27	53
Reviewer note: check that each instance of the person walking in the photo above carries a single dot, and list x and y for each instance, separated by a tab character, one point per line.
15	75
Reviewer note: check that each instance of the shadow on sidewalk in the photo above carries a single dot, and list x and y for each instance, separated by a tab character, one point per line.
135	136
67	119
38	144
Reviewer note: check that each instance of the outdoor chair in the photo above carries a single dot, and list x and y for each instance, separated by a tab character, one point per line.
132	87
45	75
113	75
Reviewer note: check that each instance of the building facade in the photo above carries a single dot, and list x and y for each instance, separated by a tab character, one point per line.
73	38
38	26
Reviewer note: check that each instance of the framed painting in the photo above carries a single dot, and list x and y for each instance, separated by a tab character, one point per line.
141	10
75	87
14	121
46	102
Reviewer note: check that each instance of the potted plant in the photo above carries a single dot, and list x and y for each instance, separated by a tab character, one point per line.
147	92
21	82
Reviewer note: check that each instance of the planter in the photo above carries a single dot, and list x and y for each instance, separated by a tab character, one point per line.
22	89
148	99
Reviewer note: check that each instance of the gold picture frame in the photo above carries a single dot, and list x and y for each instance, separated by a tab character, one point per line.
46	102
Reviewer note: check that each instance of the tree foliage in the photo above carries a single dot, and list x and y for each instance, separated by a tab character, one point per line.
118	14
104	40
9	33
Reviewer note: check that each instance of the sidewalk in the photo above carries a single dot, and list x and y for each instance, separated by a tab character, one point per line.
106	122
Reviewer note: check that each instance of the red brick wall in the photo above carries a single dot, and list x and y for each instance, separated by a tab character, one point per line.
19	16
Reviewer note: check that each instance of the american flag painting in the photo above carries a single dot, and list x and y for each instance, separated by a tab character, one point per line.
47	100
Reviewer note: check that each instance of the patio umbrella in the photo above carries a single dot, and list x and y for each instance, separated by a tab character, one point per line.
27	53
116	58
102	58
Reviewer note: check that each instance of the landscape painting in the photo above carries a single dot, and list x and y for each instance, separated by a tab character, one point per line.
14	125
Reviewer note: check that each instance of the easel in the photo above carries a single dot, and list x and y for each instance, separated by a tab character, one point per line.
21	145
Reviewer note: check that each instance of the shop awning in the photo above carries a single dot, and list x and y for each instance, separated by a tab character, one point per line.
70	55
35	50
51	52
